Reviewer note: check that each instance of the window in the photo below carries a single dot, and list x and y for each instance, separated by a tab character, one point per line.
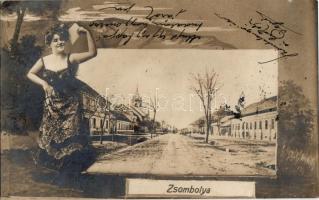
85	100
101	123
243	126
251	125
273	123
246	125
260	125
94	123
92	102
255	125
266	124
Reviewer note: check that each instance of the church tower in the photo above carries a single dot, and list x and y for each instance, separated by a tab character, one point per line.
137	99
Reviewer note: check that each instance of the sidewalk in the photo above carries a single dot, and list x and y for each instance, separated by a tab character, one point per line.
130	147
237	140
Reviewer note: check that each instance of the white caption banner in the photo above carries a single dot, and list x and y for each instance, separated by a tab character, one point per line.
171	188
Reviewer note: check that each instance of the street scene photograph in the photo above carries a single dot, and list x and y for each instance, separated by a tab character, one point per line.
195	113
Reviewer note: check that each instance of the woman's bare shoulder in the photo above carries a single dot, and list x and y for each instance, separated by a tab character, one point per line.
48	60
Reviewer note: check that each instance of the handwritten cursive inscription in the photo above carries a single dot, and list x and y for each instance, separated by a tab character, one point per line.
151	15
119	7
271	32
157	25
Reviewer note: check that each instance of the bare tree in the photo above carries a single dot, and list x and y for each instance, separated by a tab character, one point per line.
104	107
205	86
223	111
20	8
90	108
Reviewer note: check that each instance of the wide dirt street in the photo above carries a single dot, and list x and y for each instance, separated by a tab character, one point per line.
174	154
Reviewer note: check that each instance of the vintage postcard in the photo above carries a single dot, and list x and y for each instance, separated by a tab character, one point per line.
159	99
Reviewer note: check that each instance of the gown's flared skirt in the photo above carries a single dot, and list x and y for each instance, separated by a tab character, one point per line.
64	139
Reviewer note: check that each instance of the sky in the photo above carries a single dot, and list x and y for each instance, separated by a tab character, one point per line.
77	10
167	74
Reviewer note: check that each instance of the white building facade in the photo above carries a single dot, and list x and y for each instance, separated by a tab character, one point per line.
258	122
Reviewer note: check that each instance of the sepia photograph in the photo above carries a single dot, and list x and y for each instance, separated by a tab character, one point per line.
148	99
171	98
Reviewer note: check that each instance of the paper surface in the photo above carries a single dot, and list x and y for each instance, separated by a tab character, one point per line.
166	188
206	94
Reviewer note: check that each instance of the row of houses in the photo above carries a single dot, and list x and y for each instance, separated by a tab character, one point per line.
103	117
258	121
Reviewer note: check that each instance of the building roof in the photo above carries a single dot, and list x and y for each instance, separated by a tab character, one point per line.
226	118
130	111
120	116
88	90
85	88
121	111
121	108
139	112
265	105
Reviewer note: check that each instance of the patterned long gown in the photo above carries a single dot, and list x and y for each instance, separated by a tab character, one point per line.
64	139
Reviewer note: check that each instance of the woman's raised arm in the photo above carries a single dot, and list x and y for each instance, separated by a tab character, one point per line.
91	53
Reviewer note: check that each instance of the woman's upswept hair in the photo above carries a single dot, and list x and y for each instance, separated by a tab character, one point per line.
59	29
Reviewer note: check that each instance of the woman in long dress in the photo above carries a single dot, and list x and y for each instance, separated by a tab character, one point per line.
63	140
